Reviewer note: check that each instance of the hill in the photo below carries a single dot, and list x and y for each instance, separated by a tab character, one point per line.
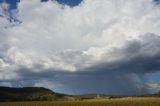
29	94
44	94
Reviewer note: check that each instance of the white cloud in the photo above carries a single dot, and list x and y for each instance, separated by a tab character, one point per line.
3	8
48	29
153	87
60	38
84	26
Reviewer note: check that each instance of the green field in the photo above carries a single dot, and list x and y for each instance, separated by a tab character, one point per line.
93	102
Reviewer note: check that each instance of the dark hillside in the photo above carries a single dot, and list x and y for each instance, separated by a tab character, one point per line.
28	94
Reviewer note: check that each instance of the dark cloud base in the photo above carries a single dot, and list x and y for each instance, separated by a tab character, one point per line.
122	77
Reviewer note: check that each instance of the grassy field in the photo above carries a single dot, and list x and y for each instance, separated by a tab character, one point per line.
93	102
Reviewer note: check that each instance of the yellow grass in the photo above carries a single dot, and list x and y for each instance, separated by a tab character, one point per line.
93	102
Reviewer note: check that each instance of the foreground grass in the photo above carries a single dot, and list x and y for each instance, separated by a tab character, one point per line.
93	102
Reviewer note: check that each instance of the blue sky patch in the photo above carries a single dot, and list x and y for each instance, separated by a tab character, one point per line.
13	3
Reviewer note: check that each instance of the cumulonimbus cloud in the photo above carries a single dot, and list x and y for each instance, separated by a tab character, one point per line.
101	46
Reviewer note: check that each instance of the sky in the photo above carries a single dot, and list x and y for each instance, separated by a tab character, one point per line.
77	47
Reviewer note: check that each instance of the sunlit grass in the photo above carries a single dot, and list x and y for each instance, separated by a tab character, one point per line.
92	102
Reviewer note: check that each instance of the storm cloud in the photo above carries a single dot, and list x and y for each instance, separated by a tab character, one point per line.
95	47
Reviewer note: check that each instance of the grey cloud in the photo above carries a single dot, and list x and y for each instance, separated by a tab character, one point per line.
91	54
123	76
139	56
